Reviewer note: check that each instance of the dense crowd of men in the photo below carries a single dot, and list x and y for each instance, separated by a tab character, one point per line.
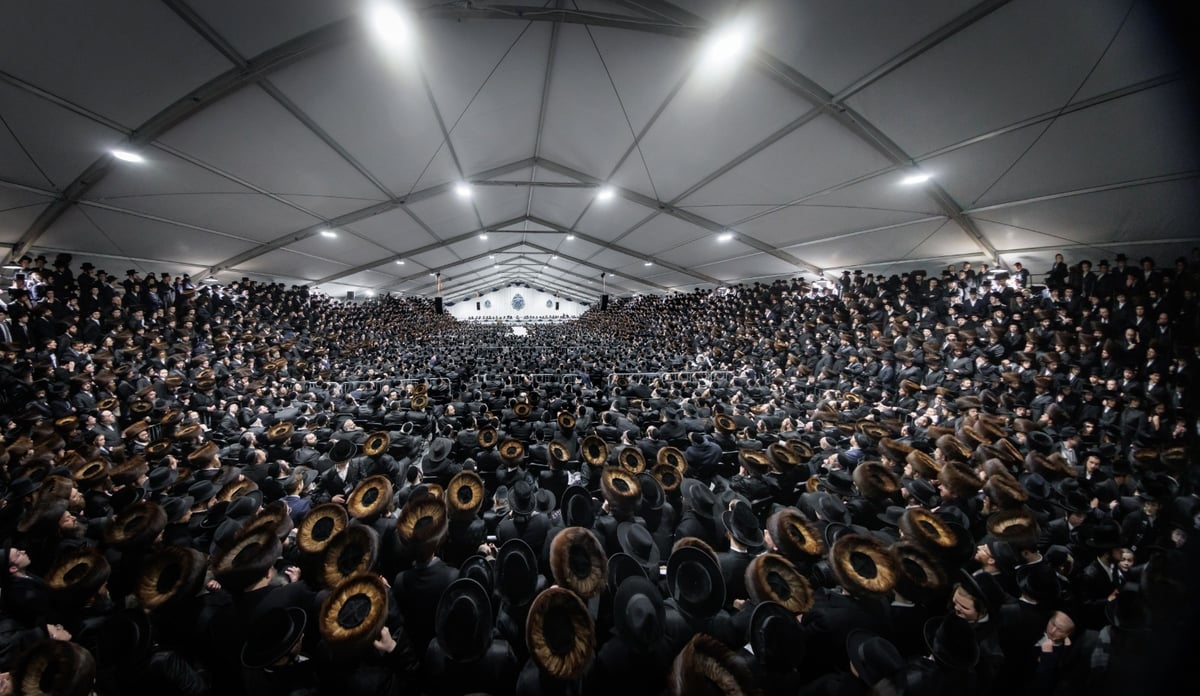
974	482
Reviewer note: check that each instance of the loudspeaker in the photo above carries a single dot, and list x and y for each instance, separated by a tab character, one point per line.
556	306
349	294
604	303
478	306
437	305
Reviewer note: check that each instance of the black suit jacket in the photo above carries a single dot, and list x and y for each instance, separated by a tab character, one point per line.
417	591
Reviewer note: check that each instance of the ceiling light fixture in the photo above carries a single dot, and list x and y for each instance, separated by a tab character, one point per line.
370	293
648	263
725	236
914	179
570	237
606	193
330	234
400	262
127	156
463	189
483	236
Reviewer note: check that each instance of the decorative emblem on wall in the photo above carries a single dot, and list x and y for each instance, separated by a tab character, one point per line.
518	302
487	304
549	304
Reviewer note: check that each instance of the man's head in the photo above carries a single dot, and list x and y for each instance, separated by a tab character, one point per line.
1060	627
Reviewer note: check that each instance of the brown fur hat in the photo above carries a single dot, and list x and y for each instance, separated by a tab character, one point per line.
863	565
922	527
465	496
771	577
706	667
921	574
893	449
620	488
137	525
1015	525
55	668
953	449
353	551
795	537
78	575
960	479
354	612
423	523
247	561
171	576
370	498
922	464
560	634
578	562
874	480
319	526
1005	492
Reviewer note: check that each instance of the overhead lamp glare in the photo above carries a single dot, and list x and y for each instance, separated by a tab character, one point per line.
483	236
570	237
329	234
391	24
725	236
728	44
127	156
463	189
914	179
606	193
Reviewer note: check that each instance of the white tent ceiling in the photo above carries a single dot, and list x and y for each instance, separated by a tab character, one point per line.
1046	125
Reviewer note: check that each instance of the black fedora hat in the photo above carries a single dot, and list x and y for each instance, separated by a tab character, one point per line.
370	498
639	614
319	526
952	642
1102	535
695	581
353	613
771	577
620	567
699	497
874	658
743	526
351	552
516	572
479	569
578	562
577	507
342	450
521	498
272	637
776	638
637	541
560	634
463	622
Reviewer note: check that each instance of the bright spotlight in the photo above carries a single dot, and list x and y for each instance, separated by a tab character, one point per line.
570	237
391	24
728	44
725	237
606	193
127	156
483	236
463	189
330	234
648	263
914	179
